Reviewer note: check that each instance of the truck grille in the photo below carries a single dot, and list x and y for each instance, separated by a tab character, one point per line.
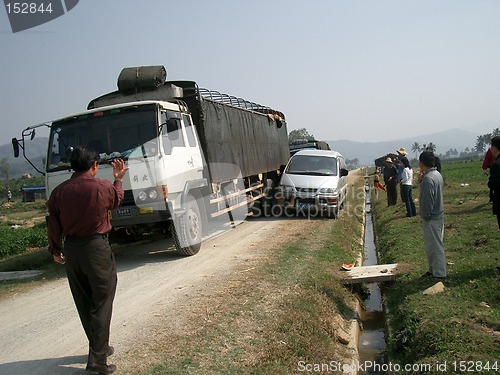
128	199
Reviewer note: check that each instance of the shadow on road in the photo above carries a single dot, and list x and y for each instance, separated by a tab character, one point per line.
70	365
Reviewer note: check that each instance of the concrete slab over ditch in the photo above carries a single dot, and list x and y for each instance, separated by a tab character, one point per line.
371	274
17	275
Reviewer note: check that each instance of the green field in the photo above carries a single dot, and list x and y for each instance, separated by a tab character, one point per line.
463	322
22	228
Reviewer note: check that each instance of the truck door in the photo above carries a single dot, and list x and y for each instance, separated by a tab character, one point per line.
195	158
183	160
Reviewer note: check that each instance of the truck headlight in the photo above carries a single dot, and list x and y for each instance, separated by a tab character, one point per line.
142	196
153	194
147	195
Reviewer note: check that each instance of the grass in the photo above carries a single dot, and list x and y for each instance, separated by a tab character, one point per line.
463	322
22	227
23	243
286	310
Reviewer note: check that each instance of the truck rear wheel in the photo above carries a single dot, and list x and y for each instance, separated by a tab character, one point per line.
187	230
269	200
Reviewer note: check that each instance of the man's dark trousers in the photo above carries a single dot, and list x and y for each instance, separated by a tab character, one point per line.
392	194
91	270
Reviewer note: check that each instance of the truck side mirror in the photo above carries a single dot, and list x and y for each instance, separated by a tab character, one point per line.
15	146
343	172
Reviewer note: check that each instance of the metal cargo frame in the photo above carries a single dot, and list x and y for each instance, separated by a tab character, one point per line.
237	136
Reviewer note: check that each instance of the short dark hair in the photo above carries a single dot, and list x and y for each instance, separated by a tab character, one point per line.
406	162
495	141
82	158
427	158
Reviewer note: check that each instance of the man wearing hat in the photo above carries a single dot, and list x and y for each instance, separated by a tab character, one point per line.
400	167
390	179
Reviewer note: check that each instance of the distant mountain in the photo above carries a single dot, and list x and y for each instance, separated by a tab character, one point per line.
367	152
483	127
35	149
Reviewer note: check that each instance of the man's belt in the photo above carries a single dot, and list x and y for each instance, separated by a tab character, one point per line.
87	237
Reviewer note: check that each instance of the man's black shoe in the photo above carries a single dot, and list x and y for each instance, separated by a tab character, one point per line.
100	369
439	277
92	359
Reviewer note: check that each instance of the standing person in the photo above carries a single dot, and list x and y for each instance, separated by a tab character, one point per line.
494	180
400	165
390	179
78	236
437	161
407	188
487	162
9	196
432	214
376	182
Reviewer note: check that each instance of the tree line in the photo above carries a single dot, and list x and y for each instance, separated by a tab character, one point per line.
483	141
482	144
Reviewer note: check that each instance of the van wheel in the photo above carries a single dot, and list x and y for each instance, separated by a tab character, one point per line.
337	212
342	205
187	230
332	214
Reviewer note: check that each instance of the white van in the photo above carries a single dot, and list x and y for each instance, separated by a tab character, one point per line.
314	181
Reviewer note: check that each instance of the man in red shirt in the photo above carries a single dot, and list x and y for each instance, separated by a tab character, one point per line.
78	237
489	159
494	179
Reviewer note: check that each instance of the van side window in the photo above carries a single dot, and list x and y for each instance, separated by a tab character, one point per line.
191	136
342	166
171	131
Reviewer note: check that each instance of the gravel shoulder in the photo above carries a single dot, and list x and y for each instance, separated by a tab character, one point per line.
157	290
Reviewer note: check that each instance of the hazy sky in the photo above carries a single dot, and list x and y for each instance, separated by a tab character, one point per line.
360	70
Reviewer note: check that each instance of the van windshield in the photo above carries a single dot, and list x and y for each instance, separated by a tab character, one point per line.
312	165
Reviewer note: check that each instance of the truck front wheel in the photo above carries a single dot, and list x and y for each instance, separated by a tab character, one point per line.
187	230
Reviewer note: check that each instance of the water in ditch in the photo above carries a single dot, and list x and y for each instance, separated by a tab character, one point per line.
372	342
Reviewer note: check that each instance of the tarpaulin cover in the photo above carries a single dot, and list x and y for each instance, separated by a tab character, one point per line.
142	77
380	162
249	141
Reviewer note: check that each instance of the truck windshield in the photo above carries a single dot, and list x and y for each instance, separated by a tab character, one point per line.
129	132
312	165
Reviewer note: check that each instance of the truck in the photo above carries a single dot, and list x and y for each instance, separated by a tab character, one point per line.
194	155
306	144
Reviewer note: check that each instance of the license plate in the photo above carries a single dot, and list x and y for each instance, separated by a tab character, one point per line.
305	206
123	212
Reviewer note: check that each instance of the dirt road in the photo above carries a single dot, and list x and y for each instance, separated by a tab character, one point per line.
40	332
